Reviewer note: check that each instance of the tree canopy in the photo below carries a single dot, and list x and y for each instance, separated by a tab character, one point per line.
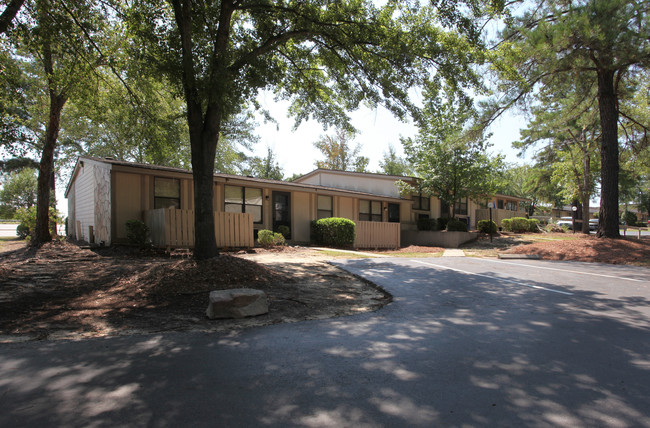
602	41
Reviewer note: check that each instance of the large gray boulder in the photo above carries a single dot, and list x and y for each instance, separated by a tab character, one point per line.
237	303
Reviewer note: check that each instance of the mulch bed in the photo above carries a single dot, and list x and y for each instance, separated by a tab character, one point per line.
591	249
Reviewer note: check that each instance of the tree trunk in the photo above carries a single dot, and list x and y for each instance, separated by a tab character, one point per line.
586	193
608	216
203	157
41	233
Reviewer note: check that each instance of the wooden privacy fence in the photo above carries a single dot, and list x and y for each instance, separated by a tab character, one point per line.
374	234
171	227
497	215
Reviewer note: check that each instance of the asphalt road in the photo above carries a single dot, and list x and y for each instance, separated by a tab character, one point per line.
8	230
466	342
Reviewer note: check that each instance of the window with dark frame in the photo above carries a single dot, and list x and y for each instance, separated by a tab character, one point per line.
512	206
444	209
240	199
460	207
421	203
325	205
166	192
500	204
369	210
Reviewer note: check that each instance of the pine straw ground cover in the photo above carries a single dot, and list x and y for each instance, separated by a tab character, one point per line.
585	248
64	291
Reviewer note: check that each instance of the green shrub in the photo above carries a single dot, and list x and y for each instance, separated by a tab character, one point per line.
533	225
506	224
519	224
455	225
487	226
427	224
334	231
284	231
630	218
137	232
268	238
27	217
442	223
22	231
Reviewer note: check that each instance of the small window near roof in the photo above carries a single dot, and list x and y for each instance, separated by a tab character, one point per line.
166	192
324	207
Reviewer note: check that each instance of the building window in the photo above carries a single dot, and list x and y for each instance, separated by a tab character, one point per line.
460	207
393	213
244	200
369	211
166	193
500	204
444	209
324	207
512	206
421	202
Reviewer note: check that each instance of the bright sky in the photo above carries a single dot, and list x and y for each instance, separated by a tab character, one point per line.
377	129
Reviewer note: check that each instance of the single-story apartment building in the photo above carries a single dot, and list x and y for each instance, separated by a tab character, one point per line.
104	193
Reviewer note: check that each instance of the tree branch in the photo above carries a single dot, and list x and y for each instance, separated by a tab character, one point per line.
9	14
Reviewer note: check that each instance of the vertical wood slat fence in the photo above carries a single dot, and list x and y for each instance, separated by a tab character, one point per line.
374	234
497	214
171	227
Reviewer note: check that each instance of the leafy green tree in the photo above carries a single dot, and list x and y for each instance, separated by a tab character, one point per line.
566	120
326	57
604	41
391	164
18	191
338	153
451	161
63	64
266	167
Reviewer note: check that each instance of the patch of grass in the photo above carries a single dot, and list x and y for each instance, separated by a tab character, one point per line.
343	255
481	253
413	254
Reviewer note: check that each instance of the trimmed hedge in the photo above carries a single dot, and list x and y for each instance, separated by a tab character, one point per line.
442	223
487	226
427	224
455	225
533	225
520	224
333	231
267	238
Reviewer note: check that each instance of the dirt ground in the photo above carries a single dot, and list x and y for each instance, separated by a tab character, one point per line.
64	291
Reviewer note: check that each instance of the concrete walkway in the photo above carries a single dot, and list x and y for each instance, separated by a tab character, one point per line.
453	252
358	253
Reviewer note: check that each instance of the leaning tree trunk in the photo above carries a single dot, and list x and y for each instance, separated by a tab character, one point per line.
608	216
42	233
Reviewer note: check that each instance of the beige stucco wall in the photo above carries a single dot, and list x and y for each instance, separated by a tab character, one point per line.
128	200
346	208
300	216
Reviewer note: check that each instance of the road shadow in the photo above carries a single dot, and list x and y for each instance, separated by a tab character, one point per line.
452	349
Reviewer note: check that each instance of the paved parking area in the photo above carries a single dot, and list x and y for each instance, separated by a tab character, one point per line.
466	342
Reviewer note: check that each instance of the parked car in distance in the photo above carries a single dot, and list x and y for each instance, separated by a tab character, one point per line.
593	224
565	222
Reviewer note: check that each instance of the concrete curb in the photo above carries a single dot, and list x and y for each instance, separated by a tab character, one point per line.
519	256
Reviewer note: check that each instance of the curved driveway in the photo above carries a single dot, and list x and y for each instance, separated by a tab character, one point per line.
466	342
